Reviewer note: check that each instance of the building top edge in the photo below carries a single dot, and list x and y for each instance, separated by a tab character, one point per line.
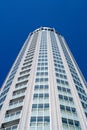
44	28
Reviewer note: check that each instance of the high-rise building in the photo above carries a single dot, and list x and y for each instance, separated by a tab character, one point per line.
45	89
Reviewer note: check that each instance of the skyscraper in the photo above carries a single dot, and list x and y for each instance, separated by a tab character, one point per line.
45	89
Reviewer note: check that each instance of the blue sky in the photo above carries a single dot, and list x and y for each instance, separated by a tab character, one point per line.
19	17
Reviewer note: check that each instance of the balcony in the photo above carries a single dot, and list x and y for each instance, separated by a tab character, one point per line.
15	105
14	127
18	95
12	116
20	87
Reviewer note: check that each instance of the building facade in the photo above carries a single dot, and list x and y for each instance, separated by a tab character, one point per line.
45	89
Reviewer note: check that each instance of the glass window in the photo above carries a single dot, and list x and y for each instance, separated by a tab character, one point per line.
64	120
33	119
70	122
77	123
62	107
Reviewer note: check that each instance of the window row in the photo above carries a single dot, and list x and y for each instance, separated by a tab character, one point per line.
41	80
82	97
63	89
65	98
12	114
42	68
81	90
7	85
26	67
42	53
40	105
14	102
4	92
25	72
58	65
41	73
57	58
68	108
14	127
60	70
28	59
58	62
44	60
41	87
2	99
84	105
23	77
40	119
61	76
27	63
42	64
44	56
62	82
19	92
45	95
29	55
71	122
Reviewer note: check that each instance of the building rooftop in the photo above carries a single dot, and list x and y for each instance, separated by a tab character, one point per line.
44	28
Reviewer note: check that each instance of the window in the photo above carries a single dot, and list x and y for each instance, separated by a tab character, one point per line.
62	107
67	108
24	72
61	97
21	83
33	119
77	123
64	120
66	98
59	88
70	122
34	106
47	119
19	92
26	67
73	110
16	101
23	77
